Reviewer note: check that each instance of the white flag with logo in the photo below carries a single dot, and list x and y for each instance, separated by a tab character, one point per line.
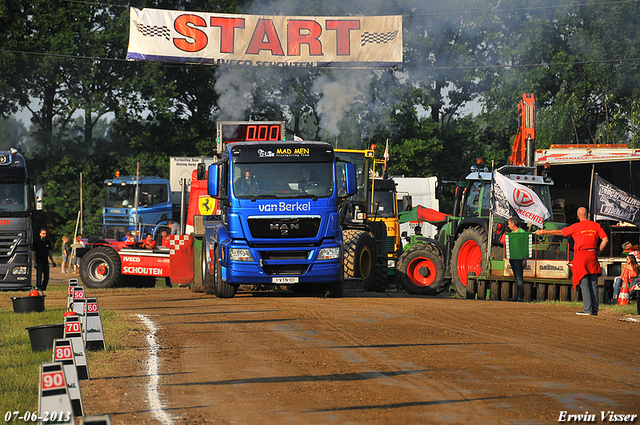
524	201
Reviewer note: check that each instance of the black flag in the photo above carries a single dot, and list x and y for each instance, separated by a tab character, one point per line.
612	202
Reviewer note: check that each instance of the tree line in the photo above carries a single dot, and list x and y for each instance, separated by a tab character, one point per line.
466	65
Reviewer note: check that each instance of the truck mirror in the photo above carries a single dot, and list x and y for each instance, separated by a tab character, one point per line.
37	189
213	186
407	203
438	191
350	183
202	171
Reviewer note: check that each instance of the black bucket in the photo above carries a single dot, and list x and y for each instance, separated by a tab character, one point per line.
42	336
28	304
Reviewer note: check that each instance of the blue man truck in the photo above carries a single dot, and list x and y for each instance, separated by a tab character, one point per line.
279	221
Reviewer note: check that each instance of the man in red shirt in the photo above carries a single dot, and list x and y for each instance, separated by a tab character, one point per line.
148	242
585	268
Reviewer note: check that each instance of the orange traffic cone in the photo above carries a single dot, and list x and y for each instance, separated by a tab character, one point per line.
623	296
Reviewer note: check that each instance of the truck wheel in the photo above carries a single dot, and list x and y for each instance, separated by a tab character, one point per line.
421	270
334	289
100	268
379	278
221	288
360	257
469	255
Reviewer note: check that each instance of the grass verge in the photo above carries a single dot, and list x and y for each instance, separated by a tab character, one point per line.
20	366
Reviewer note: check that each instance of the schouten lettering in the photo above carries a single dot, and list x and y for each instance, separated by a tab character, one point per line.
142	270
286	207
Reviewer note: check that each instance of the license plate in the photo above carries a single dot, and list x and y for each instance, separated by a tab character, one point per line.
284	280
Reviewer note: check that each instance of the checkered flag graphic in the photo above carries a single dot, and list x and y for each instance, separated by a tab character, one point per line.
176	242
153	30
378	38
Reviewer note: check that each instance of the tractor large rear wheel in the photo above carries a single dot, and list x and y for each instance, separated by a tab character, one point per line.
469	255
421	270
100	268
360	257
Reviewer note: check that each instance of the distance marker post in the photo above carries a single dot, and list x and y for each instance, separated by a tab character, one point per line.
93	334
78	302
63	353
54	404
73	331
72	284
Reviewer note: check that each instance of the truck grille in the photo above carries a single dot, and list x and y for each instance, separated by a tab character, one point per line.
286	269
284	227
284	255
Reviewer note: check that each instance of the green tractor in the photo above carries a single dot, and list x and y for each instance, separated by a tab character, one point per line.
462	242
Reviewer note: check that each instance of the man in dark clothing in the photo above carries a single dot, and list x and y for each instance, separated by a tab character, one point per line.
42	248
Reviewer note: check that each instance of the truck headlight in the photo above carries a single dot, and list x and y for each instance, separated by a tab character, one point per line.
20	270
329	253
240	254
391	264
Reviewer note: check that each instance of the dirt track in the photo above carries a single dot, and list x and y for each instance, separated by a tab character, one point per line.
364	359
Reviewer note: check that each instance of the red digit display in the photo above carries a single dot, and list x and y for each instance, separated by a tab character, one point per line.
251	132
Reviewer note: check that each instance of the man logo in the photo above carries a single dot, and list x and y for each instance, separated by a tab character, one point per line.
522	198
284	228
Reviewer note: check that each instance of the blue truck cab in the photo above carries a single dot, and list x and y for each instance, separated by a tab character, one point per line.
120	215
279	222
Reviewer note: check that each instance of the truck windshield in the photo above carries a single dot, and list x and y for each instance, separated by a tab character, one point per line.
13	196
283	180
119	196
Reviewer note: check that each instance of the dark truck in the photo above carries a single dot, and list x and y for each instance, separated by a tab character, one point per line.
17	203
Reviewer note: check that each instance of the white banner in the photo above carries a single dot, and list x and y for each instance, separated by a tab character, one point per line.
276	41
524	201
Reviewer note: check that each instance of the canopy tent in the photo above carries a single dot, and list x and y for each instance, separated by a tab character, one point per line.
420	213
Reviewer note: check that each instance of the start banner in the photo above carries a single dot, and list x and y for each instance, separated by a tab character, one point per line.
275	41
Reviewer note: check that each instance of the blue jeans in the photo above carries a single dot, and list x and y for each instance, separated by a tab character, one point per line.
518	273
617	284
589	288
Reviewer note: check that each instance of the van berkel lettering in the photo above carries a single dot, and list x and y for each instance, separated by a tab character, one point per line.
286	207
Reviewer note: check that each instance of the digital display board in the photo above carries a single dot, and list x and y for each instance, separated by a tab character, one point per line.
249	131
